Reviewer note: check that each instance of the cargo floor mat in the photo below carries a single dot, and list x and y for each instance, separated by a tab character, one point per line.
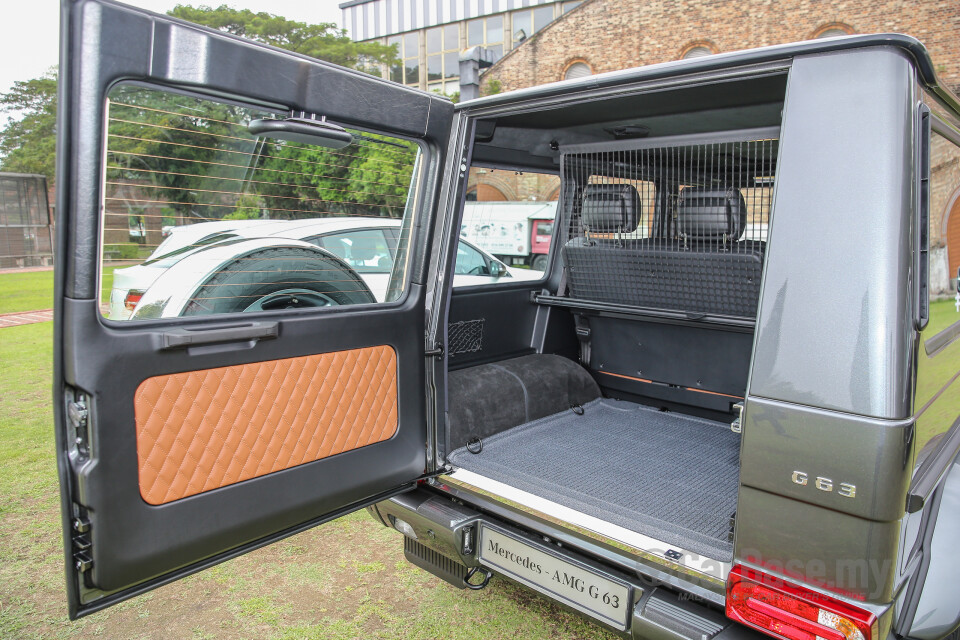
666	475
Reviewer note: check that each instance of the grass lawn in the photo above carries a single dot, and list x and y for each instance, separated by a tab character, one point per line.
33	290
344	579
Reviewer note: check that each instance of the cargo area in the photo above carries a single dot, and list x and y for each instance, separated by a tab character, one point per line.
605	392
663	474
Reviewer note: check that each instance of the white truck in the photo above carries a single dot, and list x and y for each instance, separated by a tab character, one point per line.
517	233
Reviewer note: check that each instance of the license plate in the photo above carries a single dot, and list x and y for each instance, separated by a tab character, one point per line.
573	584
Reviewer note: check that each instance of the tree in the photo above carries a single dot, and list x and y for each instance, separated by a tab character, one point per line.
28	144
193	159
324	41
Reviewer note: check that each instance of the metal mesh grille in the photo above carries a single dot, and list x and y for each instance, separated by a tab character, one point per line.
25	225
465	336
670	228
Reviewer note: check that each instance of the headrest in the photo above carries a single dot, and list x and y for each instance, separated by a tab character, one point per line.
709	212
610	207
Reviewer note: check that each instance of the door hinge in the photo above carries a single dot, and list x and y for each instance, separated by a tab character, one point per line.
737	425
436	352
82	559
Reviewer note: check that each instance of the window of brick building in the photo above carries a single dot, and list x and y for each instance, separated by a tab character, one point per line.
832	31
697	52
577	70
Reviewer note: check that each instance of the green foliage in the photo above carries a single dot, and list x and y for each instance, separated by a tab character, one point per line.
190	153
122	251
369	178
249	207
492	87
324	41
28	144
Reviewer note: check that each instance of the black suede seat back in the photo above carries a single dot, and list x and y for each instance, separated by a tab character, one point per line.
704	270
490	398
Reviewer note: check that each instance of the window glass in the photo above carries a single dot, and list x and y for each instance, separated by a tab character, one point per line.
411	71
434	68
542	16
944	235
411	44
470	261
451	37
568	6
544	228
577	70
832	33
510	215
495	29
451	64
697	52
497	50
475	32
434	40
365	250
396	73
398	43
522	26
937	361
203	217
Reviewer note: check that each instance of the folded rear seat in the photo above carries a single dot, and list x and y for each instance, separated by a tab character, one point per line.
704	270
490	398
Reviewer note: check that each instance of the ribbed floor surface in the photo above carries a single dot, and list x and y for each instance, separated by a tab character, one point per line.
665	475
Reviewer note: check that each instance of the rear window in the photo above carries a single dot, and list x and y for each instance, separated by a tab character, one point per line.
202	216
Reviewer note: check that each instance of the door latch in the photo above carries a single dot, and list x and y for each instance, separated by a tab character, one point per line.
78	416
737	425
436	352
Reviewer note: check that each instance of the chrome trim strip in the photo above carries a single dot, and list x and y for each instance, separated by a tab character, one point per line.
713	570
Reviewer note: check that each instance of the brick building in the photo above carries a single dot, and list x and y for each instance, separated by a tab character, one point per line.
607	35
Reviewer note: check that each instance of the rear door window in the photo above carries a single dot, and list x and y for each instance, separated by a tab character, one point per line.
204	217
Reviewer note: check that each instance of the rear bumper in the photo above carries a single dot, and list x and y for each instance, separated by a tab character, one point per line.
447	533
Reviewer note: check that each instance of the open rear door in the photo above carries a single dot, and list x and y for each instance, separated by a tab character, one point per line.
255	362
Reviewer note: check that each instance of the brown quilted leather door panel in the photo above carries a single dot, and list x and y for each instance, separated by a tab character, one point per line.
201	430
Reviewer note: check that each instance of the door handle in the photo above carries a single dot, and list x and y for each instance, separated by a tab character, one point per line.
185	338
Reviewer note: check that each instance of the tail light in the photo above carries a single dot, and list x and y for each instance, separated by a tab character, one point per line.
132	298
791	612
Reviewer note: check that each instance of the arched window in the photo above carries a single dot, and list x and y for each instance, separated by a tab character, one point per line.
697	52
832	33
577	70
833	30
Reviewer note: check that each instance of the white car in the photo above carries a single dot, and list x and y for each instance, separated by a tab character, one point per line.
166	283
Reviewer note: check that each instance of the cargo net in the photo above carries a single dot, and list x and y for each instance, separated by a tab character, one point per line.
679	230
465	336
